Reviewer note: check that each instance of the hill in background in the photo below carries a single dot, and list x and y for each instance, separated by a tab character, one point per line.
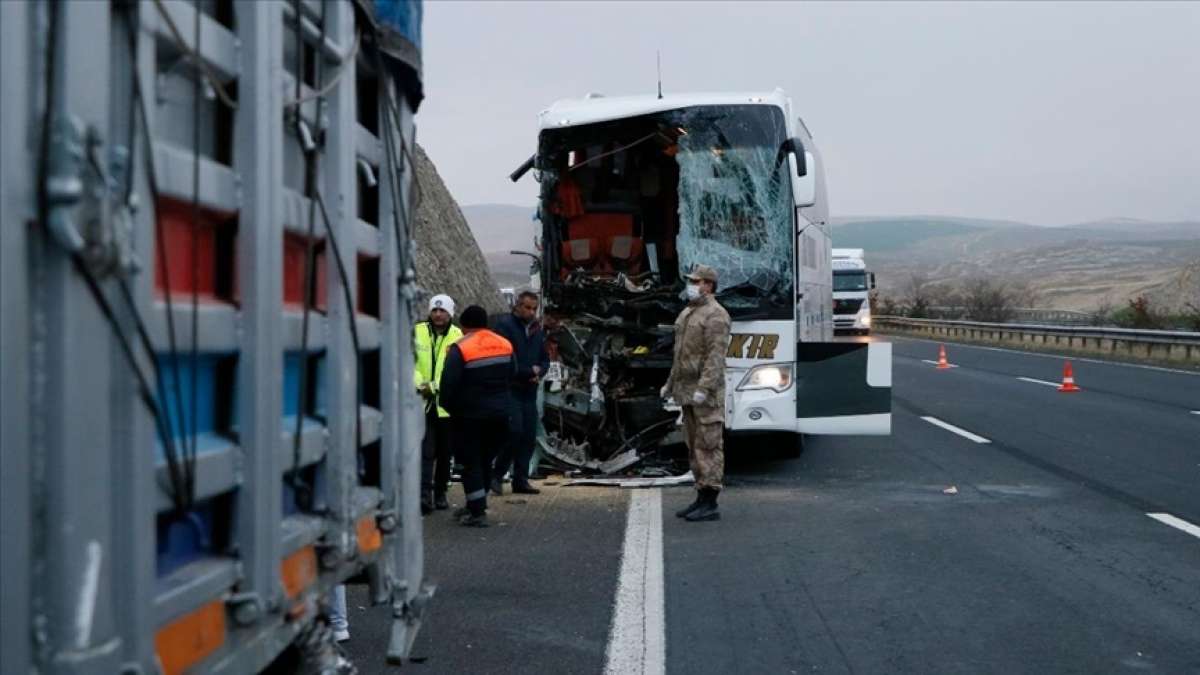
500	228
1081	266
1078	266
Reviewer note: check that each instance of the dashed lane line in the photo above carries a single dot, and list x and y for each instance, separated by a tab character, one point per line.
1030	379
1177	523
956	430
637	638
1080	359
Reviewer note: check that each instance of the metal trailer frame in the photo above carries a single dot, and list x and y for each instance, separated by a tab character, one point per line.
81	485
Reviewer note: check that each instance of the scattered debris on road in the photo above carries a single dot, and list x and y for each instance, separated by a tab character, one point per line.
636	482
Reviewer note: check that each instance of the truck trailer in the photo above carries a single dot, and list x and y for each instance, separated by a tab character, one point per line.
636	190
207	407
852	286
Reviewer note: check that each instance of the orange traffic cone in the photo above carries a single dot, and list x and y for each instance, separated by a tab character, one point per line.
943	364
1068	384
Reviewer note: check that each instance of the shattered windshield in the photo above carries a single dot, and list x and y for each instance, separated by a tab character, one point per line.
735	202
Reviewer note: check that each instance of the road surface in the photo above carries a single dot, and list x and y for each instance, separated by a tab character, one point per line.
1003	527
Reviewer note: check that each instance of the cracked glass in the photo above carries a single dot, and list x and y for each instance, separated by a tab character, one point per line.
735	201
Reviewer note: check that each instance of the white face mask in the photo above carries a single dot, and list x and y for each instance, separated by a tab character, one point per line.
692	291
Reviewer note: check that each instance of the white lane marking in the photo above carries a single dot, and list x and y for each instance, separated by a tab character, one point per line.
1196	412
1056	356
637	638
1030	379
953	429
935	363
1177	523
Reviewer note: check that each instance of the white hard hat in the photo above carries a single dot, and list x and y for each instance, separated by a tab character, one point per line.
442	302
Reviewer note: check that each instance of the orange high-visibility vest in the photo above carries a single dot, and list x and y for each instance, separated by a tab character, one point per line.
484	348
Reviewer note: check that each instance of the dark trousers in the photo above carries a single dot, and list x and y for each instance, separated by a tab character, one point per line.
521	436
476	442
436	451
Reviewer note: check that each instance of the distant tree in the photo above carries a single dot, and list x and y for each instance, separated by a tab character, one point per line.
1103	314
986	299
917	296
885	305
1191	317
1140	312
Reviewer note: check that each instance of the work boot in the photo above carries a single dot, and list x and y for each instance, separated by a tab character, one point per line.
439	501
497	487
525	489
707	509
474	520
682	513
426	502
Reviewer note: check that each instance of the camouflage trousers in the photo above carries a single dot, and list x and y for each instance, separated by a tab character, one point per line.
706	446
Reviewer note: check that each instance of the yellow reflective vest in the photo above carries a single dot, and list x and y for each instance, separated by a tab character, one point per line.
431	350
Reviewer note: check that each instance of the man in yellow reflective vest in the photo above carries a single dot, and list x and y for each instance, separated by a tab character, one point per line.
431	342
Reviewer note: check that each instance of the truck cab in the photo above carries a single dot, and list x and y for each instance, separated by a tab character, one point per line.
852	286
636	190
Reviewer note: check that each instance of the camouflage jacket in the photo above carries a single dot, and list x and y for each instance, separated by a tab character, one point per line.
701	339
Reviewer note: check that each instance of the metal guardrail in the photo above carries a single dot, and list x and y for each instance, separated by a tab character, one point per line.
1025	315
1127	343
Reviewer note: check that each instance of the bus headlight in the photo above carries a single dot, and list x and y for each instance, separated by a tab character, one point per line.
773	376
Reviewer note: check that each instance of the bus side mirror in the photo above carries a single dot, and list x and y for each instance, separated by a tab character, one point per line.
796	146
804	186
872	281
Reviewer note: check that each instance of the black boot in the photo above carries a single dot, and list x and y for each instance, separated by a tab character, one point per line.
439	501
682	513
707	509
426	502
524	489
497	487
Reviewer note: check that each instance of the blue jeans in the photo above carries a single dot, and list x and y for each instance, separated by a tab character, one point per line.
521	438
337	609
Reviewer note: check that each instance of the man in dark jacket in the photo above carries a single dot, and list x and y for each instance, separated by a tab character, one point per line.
524	331
475	385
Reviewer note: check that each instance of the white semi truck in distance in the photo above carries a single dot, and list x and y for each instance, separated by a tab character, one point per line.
852	286
636	190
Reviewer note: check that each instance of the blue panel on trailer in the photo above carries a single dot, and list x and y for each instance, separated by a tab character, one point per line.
321	377
182	539
180	391
293	362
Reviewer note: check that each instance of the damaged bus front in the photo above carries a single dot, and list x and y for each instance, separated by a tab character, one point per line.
634	192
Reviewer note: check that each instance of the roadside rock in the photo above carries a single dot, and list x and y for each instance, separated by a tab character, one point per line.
448	257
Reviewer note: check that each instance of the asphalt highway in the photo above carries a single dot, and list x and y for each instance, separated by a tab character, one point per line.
1003	527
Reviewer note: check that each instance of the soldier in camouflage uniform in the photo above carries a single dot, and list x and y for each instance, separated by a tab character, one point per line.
697	382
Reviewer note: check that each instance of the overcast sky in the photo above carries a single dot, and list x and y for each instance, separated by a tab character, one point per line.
1041	112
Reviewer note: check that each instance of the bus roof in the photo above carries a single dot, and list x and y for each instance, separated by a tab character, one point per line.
598	108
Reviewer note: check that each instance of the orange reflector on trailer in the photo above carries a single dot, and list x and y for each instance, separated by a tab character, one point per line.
369	537
298	571
191	638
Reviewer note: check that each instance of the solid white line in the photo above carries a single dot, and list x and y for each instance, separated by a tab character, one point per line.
935	363
637	639
953	429
1044	355
1196	412
1177	523
1030	379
